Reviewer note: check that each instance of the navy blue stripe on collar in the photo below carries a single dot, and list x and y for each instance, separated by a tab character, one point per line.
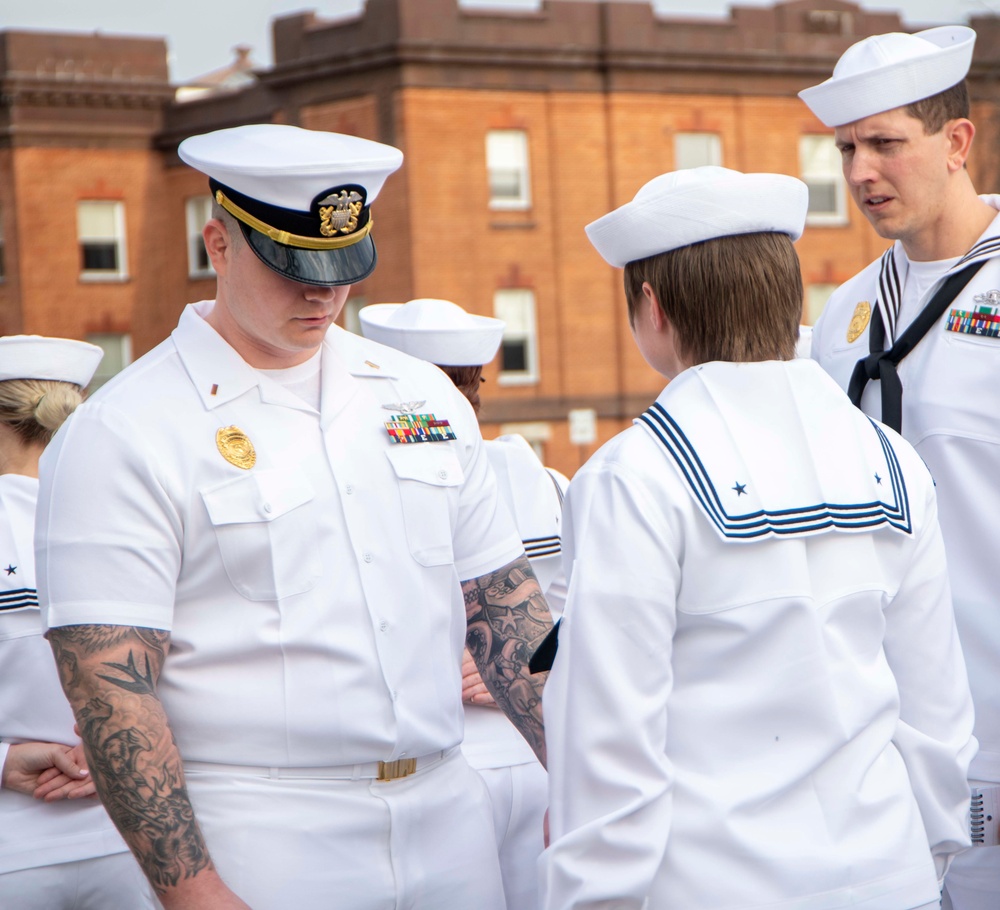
806	519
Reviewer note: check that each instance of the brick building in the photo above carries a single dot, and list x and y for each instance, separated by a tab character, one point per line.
518	129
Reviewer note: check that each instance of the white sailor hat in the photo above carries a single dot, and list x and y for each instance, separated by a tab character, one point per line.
39	357
698	204
301	197
437	331
884	72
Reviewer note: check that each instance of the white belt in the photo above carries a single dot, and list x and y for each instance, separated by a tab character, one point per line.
984	818
375	770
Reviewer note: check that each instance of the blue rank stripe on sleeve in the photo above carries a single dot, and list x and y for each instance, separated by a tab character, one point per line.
408	428
983	321
19	599
808	519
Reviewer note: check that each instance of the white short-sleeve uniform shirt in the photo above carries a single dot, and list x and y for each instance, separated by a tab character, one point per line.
313	599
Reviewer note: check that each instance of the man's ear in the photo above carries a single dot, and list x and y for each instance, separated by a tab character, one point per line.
655	315
218	244
959	133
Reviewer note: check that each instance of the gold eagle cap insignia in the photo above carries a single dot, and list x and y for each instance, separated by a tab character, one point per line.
235	446
859	321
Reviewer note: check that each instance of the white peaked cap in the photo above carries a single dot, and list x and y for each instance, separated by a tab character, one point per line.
38	357
884	72
302	197
698	204
437	331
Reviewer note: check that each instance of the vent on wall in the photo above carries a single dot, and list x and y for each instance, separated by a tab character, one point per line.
828	22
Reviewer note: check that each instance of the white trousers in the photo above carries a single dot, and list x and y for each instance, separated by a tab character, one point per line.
519	795
973	880
424	842
103	883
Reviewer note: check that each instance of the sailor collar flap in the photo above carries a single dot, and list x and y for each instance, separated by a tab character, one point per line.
774	449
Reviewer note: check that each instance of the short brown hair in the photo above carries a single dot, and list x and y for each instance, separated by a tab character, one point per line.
736	298
467	380
934	112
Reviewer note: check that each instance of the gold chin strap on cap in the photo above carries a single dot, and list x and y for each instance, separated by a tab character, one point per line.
284	237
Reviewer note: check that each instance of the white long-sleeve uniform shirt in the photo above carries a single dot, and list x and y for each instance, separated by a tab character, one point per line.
951	416
33	707
313	599
759	698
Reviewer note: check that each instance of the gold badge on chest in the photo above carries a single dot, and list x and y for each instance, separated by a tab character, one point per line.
236	447
859	321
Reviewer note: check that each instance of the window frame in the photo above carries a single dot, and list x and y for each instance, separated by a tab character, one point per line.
838	217
195	241
522	201
530	374
120	272
715	151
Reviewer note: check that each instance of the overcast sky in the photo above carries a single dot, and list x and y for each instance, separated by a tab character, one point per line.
202	33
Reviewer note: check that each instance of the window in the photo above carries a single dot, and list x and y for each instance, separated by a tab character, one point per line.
117	349
3	249
199	211
518	354
819	161
816	297
101	229
507	165
697	150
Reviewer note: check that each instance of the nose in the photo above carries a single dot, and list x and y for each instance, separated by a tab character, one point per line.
860	168
318	292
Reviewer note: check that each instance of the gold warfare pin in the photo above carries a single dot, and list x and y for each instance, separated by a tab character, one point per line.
859	321
235	446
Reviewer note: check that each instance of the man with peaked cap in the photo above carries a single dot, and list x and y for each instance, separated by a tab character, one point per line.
461	343
915	338
260	549
758	697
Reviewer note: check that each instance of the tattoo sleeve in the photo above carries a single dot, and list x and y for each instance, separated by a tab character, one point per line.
507	619
109	674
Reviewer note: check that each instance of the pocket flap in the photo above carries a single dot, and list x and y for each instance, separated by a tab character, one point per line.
260	496
426	462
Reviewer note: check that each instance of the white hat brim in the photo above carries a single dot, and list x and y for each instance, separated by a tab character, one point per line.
703	204
845	99
56	359
473	342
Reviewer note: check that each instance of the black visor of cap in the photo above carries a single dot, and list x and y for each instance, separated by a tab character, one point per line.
328	268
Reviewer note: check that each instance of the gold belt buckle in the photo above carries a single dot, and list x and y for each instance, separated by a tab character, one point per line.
394	770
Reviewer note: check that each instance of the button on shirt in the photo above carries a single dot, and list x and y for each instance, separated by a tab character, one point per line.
308	626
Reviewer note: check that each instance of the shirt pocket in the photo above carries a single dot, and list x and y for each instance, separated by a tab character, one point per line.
429	478
264	525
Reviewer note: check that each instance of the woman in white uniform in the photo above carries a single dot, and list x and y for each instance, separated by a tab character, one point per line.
58	848
759	699
461	343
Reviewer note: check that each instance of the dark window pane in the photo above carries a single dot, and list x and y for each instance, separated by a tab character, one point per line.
514	357
822	198
201	256
505	184
99	256
3	269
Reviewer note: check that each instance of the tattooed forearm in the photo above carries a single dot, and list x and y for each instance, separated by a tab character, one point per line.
507	619
109	674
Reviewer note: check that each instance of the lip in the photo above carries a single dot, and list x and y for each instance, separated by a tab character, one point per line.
877	203
313	320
